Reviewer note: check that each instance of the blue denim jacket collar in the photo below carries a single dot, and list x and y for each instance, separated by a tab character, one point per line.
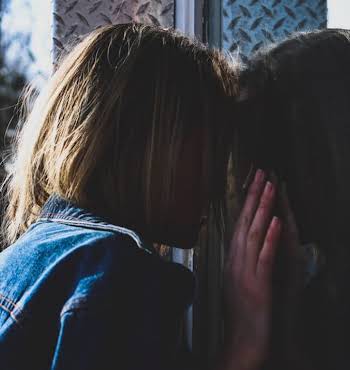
58	209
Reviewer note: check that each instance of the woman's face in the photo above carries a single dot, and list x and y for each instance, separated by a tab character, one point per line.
190	195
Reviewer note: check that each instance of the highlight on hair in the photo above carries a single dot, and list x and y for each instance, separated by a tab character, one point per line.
111	122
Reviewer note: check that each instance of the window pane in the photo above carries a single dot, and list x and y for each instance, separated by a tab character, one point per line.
249	24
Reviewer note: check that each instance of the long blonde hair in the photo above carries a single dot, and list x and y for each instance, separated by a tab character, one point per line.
111	122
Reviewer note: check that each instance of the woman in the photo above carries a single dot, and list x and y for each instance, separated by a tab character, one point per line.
296	100
126	147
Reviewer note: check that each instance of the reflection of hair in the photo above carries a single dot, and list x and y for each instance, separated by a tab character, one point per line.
299	109
112	121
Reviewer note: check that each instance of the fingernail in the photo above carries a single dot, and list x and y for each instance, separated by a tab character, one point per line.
275	222
268	187
259	176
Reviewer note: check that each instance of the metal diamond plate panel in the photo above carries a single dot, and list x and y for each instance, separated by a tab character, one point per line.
250	24
74	18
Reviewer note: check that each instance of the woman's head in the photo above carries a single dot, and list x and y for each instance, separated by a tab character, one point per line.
132	126
299	109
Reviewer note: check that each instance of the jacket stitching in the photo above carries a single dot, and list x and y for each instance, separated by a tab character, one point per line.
53	217
73	221
10	312
10	301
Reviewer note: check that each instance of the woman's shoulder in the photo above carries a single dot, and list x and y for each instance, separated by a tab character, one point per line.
61	277
54	245
61	248
84	266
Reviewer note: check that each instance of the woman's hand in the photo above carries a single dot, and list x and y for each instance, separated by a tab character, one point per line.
248	275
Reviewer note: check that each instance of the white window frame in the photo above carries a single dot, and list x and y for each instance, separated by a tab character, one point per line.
338	14
185	16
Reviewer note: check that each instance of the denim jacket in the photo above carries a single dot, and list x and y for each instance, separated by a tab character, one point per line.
77	292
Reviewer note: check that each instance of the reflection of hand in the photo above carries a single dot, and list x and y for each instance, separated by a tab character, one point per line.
248	273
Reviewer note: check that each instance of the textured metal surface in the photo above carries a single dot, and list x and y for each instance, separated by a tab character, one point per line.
251	24
74	18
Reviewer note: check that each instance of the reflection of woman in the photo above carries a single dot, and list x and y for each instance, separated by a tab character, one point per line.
131	131
299	108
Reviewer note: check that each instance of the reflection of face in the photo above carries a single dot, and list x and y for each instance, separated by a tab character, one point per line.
190	193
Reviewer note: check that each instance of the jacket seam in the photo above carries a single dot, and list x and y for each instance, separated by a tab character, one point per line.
97	226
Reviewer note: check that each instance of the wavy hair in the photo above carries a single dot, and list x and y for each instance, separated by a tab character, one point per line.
111	122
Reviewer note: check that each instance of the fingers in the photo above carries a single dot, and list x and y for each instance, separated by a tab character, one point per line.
268	251
259	226
247	215
256	236
252	201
